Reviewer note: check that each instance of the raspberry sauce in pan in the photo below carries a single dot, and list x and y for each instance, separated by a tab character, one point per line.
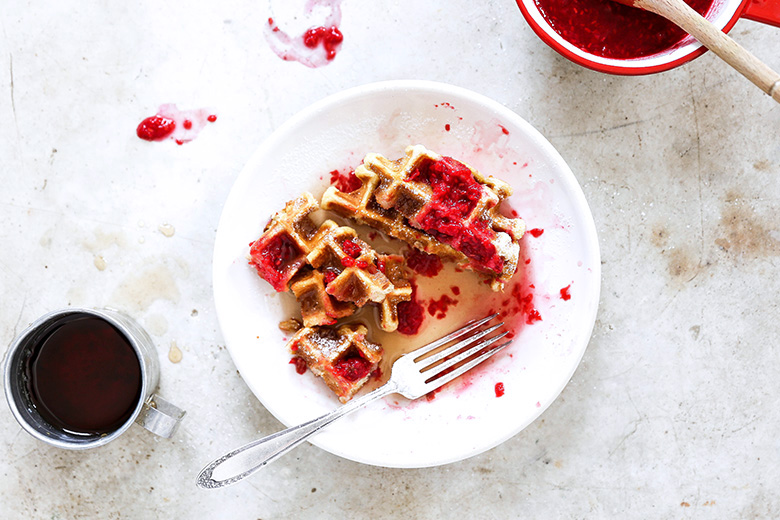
606	28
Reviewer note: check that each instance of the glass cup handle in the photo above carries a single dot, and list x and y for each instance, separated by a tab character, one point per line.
160	417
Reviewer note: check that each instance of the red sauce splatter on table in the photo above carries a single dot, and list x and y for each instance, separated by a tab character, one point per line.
317	46
447	127
300	364
613	30
566	293
499	389
329	37
155	128
170	122
346	182
423	263
536	232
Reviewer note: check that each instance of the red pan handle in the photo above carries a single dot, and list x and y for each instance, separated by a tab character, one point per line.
765	11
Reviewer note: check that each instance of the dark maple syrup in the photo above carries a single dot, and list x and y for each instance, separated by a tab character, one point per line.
84	376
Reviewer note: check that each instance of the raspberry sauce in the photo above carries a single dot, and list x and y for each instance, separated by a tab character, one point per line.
455	195
353	369
318	45
300	364
613	30
423	263
410	314
274	258
155	128
329	37
170	122
438	308
346	182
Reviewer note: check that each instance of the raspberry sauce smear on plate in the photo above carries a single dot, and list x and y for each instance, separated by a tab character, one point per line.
606	28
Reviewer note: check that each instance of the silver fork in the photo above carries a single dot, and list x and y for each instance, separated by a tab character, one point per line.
413	376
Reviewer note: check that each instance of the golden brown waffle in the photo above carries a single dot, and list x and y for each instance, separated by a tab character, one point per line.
281	250
330	270
438	205
348	265
394	268
342	357
317	306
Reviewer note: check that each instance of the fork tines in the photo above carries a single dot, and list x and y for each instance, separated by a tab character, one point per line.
451	361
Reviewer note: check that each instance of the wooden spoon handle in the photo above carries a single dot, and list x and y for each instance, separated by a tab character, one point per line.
715	40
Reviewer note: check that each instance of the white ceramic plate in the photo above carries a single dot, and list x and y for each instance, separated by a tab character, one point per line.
466	417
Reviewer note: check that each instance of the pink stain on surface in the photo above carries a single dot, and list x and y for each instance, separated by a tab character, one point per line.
317	46
170	122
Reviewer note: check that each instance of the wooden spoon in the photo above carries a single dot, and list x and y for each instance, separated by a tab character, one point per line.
681	14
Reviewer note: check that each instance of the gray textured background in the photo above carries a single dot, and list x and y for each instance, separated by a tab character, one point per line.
672	413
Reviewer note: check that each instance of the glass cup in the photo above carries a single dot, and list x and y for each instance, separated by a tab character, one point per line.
150	411
723	14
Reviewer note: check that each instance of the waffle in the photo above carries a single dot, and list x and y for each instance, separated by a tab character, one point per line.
320	308
438	205
281	250
317	306
342	357
346	264
394	268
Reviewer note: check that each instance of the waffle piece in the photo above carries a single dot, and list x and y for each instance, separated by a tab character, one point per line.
438	205
317	306
347	265
394	268
281	250
342	357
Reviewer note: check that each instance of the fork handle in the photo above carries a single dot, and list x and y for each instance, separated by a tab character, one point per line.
247	459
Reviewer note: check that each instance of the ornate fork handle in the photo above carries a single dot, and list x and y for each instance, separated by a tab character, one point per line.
413	375
247	459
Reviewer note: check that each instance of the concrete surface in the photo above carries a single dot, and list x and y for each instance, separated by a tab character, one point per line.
673	411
